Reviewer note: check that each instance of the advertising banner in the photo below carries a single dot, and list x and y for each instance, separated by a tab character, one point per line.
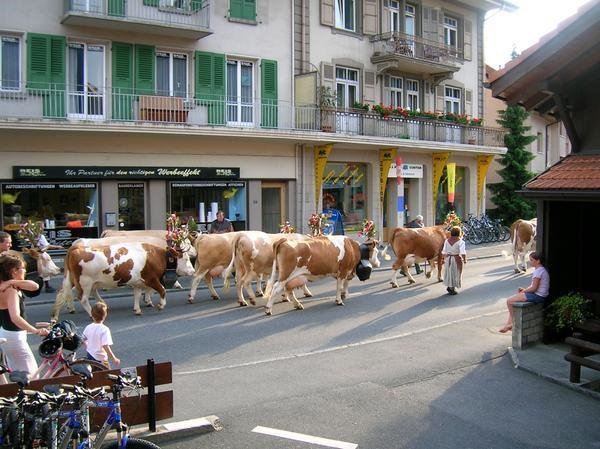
386	157
439	161
451	169
321	155
483	164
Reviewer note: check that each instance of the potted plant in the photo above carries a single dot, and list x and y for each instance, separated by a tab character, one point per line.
566	312
327	105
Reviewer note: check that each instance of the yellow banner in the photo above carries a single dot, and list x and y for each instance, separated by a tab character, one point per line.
483	163
439	161
321	155
386	157
451	169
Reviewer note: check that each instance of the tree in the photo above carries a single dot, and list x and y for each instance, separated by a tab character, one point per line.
515	174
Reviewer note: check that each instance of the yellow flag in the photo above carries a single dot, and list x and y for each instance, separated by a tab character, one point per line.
451	168
439	161
483	163
386	157
321	155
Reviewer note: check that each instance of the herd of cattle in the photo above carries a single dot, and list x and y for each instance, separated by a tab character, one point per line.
140	259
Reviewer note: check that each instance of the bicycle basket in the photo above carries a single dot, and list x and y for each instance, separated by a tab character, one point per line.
49	347
68	334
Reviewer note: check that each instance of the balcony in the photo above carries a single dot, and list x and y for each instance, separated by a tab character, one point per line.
402	51
189	19
103	107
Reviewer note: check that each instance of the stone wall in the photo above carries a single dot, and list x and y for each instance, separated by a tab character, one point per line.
528	324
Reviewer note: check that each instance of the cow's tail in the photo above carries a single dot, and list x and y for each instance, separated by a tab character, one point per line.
229	269
64	296
271	281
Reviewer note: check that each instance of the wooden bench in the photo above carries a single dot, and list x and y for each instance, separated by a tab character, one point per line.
580	349
145	408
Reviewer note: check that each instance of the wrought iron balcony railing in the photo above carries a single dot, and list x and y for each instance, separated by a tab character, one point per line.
415	47
106	106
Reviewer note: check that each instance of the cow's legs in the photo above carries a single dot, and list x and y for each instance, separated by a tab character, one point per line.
307	293
289	293
395	267
137	293
440	262
404	268
338	292
211	288
259	290
345	289
198	275
277	287
148	298
158	287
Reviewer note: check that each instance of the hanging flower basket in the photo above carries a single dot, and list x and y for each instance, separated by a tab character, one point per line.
368	229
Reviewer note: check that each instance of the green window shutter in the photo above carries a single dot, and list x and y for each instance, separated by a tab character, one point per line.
144	69
151	2
242	9
116	8
46	72
122	81
38	61
196	5
210	85
268	93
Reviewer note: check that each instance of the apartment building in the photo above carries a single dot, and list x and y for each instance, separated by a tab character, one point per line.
114	113
551	142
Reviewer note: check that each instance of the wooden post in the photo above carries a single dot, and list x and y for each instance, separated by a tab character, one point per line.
151	395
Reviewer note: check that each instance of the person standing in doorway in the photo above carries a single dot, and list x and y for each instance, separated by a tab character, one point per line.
221	225
455	256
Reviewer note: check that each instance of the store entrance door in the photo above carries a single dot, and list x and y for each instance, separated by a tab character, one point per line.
273	206
131	206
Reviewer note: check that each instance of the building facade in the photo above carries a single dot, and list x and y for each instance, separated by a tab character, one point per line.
114	113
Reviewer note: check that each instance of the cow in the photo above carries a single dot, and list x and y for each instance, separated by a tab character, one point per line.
44	263
522	235
135	264
252	256
187	245
213	256
417	244
337	256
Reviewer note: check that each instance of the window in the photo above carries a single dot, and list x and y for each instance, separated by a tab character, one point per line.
452	100
85	80
171	74
346	83
450	31
93	6
395	92
242	9
345	15
394	11
412	95
540	143
409	19
240	92
10	63
345	195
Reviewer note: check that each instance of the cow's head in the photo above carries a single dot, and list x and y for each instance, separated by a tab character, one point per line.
183	265
45	265
369	250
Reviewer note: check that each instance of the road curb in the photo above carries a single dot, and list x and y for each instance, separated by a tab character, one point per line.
179	430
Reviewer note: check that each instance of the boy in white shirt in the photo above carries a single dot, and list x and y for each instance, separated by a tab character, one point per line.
98	338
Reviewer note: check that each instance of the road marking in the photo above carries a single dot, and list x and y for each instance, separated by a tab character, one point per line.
341	347
304	438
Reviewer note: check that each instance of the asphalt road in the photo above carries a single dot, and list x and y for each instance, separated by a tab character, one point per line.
394	368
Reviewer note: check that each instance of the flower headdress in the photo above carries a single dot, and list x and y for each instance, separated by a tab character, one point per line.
452	220
30	232
317	223
176	232
368	229
286	228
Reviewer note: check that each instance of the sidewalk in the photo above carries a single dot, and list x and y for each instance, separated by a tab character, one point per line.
545	361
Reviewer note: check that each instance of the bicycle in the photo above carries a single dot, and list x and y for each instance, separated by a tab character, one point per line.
62	336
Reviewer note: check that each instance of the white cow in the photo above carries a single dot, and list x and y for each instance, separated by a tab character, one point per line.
523	234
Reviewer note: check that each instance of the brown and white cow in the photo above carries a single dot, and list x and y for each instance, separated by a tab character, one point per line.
44	263
252	257
138	265
522	235
314	258
213	256
411	244
187	245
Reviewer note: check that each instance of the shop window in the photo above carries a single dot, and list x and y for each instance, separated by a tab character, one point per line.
442	206
200	200
344	192
67	210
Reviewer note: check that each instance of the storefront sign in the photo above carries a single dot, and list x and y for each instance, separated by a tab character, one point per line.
483	163
386	157
51	172
47	186
207	184
407	171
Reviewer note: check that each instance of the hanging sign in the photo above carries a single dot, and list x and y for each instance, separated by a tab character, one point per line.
483	164
451	169
321	155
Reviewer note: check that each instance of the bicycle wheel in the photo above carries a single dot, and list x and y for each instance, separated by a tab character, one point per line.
66	370
132	443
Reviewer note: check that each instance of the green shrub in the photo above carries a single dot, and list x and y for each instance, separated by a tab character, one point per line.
567	311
